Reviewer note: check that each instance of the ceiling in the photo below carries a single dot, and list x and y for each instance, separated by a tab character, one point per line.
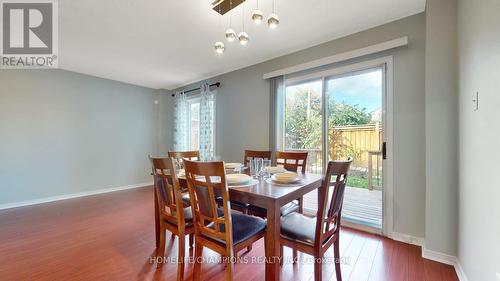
167	43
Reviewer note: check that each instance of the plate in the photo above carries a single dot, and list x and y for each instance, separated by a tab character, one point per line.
287	177
233	165
275	170
238	179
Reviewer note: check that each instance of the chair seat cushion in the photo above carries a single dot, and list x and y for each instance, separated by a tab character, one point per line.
188	217
185	199
290	208
299	228
244	227
285	210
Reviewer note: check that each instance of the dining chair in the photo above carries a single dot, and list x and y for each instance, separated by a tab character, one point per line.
219	229
189	155
291	161
174	216
252	154
181	155
314	236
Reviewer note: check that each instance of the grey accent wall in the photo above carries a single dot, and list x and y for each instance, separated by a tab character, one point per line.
441	104
243	110
64	133
479	187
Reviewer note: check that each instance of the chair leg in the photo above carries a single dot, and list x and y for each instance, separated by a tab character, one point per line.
281	255
229	270
160	251
198	252
191	240
301	205
318	266
180	265
336	255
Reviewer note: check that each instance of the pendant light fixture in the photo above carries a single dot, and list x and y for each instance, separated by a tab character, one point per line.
219	46
273	19
243	36
230	33
257	15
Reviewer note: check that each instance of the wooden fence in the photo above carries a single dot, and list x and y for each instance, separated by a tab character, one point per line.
360	139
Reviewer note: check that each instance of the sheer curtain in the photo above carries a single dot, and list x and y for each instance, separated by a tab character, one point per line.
277	92
180	122
207	118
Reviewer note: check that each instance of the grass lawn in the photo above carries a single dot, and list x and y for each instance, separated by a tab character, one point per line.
360	182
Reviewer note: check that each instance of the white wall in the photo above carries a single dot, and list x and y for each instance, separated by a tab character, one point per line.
243	110
479	134
441	126
63	133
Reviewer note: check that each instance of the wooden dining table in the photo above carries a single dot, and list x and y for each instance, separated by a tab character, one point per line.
270	196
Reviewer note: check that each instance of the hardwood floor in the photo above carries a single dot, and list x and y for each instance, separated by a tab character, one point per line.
111	237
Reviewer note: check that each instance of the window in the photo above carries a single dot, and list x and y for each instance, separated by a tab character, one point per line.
193	124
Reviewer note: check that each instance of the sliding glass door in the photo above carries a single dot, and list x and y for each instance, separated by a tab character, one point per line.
335	115
303	122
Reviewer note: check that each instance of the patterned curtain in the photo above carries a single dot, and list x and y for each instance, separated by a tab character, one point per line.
180	123
207	105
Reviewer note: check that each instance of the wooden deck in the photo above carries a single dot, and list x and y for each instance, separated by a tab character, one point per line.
361	206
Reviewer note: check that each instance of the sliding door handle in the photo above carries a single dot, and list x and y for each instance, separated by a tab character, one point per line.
384	150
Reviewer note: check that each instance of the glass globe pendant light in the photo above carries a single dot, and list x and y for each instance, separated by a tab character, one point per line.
257	15
230	33
219	47
243	36
273	19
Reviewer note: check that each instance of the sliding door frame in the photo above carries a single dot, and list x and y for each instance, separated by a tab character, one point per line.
386	64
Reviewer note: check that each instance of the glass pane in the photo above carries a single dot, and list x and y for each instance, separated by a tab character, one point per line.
355	130
195	126
303	122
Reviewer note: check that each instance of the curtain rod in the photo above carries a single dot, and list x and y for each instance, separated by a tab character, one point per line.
217	84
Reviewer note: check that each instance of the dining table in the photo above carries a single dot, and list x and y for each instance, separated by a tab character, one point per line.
271	196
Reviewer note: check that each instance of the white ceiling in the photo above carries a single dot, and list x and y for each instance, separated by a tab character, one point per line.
167	43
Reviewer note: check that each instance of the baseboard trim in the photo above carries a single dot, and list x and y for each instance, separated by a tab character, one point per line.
438	256
431	255
460	271
408	239
71	196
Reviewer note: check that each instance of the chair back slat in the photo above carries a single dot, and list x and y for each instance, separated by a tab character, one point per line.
206	182
168	191
292	161
332	194
252	154
189	155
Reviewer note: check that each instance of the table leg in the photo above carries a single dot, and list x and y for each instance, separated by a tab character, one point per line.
157	221
272	243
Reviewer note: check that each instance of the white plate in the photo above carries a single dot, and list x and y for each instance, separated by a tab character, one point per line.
233	165
287	177
238	179
275	170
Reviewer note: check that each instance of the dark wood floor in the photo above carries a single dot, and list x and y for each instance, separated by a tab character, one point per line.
110	237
